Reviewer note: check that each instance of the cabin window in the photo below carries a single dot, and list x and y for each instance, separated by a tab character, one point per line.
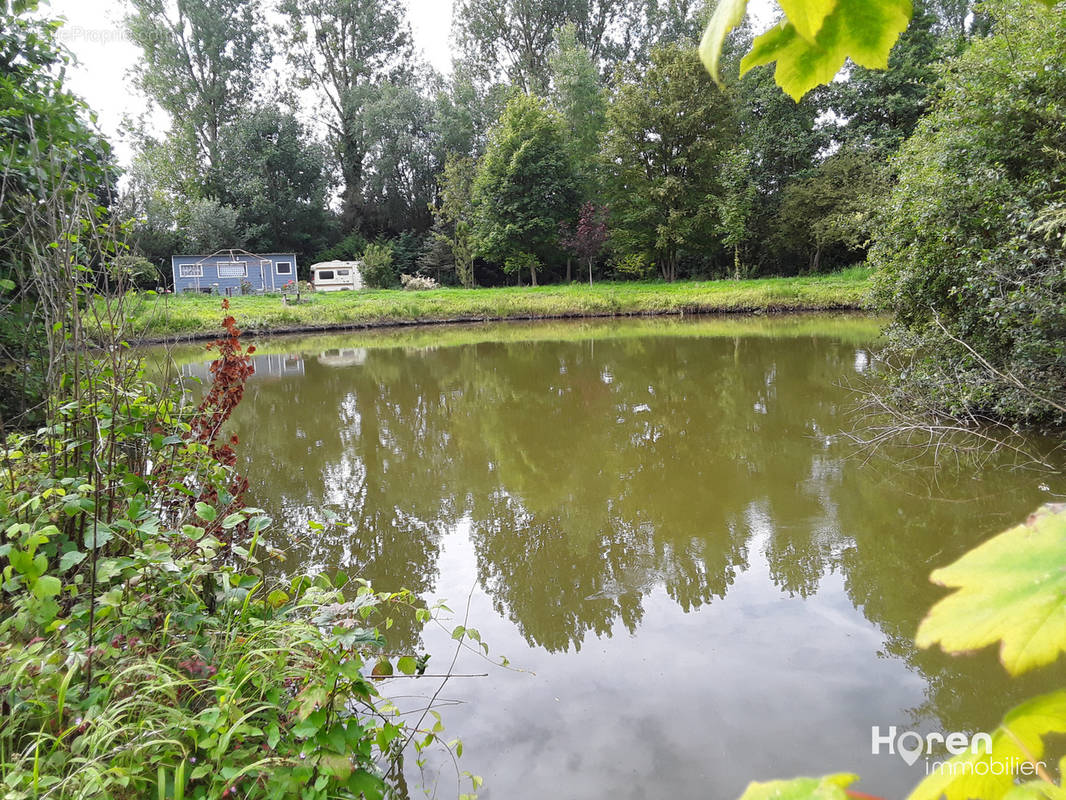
232	269
190	271
343	273
325	275
284	268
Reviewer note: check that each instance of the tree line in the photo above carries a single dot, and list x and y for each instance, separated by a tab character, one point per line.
571	139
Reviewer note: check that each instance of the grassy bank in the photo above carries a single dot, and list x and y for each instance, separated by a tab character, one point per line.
191	316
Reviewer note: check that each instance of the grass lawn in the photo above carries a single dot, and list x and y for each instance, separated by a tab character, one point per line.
159	317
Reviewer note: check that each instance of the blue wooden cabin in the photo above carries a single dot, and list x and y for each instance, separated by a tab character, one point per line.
233	272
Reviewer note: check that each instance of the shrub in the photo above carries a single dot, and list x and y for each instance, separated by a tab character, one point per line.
418	282
378	270
129	270
632	265
142	651
977	287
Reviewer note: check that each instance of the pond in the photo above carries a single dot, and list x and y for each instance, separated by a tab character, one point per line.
696	579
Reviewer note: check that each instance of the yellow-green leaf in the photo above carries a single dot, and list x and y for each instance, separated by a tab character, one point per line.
1017	747
1011	589
807	15
856	29
727	15
47	586
829	787
1035	790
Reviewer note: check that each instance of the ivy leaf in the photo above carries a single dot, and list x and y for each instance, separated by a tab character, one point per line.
1009	589
727	15
205	512
1017	744
858	29
830	787
407	665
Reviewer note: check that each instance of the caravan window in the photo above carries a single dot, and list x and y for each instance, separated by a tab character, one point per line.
325	275
342	273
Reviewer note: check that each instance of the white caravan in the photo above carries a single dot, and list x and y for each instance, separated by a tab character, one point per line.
332	276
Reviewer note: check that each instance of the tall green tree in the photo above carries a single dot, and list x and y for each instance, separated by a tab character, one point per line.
668	131
880	108
400	164
349	52
278	182
832	212
736	204
525	187
513	38
578	96
463	113
202	63
453	215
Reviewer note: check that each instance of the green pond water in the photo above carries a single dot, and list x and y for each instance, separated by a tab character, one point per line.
695	578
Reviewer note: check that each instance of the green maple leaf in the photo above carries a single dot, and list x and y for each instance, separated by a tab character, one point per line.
856	29
1011	589
829	787
807	15
1019	740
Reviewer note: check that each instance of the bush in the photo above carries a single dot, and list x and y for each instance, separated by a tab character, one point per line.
378	270
418	282
128	270
631	265
142	651
978	290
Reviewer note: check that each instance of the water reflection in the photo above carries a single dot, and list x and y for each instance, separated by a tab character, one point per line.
621	483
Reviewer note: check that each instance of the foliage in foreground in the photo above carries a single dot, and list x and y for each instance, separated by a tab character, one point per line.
814	39
143	650
1009	591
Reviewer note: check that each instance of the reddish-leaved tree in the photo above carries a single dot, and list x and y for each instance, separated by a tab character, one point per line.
586	241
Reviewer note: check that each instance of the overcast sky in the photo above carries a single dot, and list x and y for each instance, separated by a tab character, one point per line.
95	33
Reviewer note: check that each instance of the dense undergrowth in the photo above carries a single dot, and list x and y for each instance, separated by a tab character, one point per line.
144	651
970	258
